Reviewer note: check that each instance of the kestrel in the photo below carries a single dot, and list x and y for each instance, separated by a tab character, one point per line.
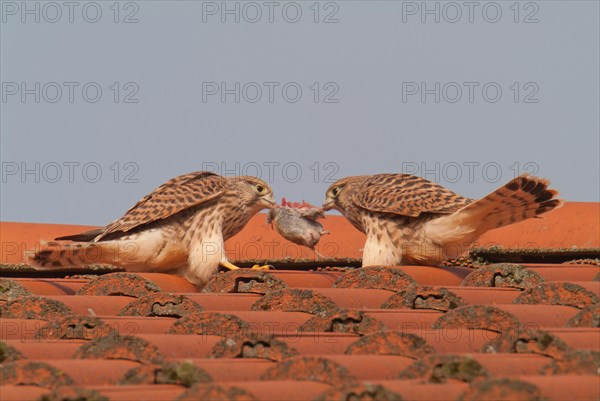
410	220
178	228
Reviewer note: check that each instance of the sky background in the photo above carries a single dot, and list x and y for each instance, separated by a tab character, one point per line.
104	101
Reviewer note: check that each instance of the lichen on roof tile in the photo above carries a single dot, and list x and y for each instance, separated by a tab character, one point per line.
311	329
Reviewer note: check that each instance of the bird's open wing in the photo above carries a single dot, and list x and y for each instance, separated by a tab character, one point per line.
406	195
170	198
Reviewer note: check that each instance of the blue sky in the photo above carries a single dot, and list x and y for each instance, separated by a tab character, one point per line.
101	104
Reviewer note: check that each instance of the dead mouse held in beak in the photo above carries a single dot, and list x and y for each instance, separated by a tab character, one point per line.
297	222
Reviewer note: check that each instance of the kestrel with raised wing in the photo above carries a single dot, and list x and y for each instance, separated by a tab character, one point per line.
410	220
178	228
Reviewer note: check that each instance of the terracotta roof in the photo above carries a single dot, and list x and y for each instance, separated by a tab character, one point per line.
313	330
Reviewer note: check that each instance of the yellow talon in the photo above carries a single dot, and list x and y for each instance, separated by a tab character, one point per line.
228	265
231	266
264	267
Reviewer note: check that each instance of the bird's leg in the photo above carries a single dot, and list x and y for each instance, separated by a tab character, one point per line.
228	265
263	267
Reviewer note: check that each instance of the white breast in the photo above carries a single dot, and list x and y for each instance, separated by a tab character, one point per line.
206	250
379	249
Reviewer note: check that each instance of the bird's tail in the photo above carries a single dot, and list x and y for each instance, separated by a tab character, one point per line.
520	199
60	255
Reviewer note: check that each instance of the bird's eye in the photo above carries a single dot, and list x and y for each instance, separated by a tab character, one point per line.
260	189
335	191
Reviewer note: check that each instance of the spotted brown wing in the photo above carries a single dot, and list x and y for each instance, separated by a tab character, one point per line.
173	196
406	195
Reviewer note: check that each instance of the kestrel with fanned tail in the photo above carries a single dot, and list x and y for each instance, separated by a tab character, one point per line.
410	220
178	228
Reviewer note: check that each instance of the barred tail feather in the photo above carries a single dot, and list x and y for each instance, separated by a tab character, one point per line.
57	255
522	198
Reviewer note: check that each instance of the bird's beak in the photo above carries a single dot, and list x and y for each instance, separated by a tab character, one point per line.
328	204
270	201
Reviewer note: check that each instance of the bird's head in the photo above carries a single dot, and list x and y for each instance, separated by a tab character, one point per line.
339	193
253	192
